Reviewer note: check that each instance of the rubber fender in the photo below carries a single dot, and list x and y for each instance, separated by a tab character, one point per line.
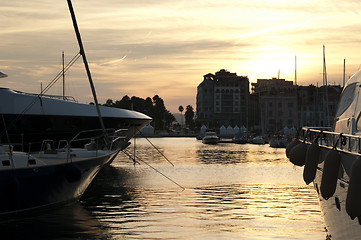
311	162
72	173
298	154
290	146
330	173
353	199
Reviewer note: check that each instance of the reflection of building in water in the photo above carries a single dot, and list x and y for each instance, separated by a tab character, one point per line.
222	99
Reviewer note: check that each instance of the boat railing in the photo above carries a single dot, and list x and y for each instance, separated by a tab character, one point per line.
90	140
326	138
104	138
61	97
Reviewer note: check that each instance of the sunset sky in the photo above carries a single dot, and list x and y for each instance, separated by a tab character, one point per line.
147	47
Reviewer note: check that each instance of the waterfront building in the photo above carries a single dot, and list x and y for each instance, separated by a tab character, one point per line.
222	99
277	104
283	104
315	107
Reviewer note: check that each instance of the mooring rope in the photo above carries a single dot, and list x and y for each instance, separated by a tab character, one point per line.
136	158
155	147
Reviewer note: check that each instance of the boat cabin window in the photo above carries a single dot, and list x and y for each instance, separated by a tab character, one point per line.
346	99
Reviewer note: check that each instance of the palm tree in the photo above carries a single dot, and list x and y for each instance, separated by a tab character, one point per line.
181	109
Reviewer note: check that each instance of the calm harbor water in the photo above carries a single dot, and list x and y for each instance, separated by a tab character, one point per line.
231	192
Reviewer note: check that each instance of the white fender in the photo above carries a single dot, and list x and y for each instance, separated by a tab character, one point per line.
298	154
353	199
312	156
330	173
290	146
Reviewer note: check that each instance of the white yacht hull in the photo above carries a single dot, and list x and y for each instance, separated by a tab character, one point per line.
333	163
338	223
29	118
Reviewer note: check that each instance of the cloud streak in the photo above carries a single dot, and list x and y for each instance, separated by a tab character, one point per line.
152	47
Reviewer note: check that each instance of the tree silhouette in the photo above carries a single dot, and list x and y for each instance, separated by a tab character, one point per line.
181	109
189	115
154	108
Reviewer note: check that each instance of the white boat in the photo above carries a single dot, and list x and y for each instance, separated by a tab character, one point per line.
34	117
240	138
332	161
210	138
59	171
258	140
278	141
56	175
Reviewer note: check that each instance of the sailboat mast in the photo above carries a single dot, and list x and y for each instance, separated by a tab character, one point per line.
82	53
325	86
344	70
295	70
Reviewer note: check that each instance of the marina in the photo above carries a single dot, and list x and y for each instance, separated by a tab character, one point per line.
244	163
232	191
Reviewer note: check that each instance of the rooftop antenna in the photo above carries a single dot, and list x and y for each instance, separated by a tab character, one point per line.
295	70
82	53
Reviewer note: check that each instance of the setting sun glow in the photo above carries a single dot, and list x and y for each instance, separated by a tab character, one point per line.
142	48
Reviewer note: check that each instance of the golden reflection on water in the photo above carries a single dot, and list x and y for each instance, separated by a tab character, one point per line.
232	192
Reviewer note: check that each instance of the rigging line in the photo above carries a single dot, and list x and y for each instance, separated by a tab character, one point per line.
126	152
71	62
155	148
5	128
134	145
66	68
139	159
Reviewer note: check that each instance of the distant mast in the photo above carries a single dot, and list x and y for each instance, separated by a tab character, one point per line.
325	86
295	70
344	72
